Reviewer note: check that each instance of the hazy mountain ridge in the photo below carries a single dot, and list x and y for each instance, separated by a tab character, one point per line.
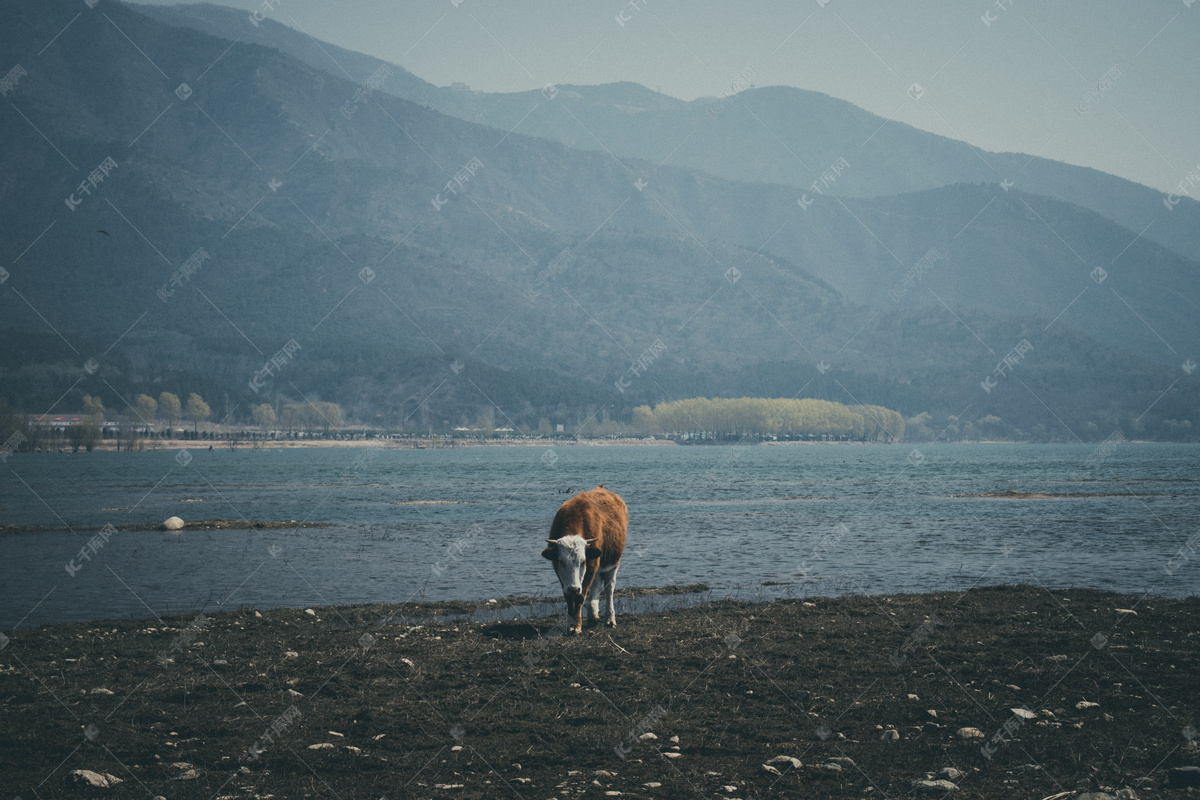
778	135
292	201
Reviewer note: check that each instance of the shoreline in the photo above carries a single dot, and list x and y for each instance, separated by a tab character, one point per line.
835	697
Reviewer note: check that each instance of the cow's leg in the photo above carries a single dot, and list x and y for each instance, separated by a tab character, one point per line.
594	603
610	584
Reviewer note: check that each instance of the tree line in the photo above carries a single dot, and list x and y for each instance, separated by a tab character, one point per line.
754	416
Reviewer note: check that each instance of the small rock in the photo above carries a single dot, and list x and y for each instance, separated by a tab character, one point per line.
449	785
913	697
187	775
934	787
1183	777
612	793
728	788
845	761
603	773
770	769
352	750
220	662
322	746
291	654
258	614
1023	713
648	736
652	785
806	604
890	735
674	740
310	612
792	762
456	748
672	755
171	524
1126	612
1056	658
950	773
101	690
181	765
971	733
293	693
932	712
101	781
1084	705
829	766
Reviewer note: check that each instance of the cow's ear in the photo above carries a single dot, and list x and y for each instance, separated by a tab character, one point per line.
592	552
549	553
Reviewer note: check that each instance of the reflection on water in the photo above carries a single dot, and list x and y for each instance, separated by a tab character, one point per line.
469	523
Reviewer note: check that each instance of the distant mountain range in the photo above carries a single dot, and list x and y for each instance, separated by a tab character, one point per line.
431	264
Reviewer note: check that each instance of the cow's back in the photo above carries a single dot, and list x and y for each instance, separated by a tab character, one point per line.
597	514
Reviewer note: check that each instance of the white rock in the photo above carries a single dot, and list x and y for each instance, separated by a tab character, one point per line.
792	762
291	654
310	612
672	755
1023	713
352	750
971	733
1084	705
1121	612
770	769
171	524
101	781
890	735
652	785
913	697
647	736
950	773
101	690
934	787
322	746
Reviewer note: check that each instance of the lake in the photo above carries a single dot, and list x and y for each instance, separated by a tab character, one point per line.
469	523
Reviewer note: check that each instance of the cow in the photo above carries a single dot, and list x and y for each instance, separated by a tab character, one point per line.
587	537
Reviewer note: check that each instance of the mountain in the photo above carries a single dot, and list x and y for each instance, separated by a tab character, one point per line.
423	270
777	135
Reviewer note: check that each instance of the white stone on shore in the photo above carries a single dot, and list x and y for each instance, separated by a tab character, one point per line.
791	761
322	746
100	781
971	733
1023	713
171	524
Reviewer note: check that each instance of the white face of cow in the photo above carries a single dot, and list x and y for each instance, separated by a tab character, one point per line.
570	563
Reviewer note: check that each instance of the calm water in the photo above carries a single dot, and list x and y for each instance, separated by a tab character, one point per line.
785	520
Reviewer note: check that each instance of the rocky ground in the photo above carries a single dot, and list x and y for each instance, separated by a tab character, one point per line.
998	692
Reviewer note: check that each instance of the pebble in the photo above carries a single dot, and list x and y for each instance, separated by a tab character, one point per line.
913	697
672	755
171	524
101	781
310	612
321	746
770	769
187	775
291	654
647	736
603	773
1183	777
1056	658
1122	612
845	761
293	693
932	712
101	690
791	761
950	773
1023	713
829	766
971	733
1083	705
934	787
728	788
352	750
890	735
258	614
674	739
456	748
652	785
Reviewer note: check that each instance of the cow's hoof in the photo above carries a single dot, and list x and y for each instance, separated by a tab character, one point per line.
576	631
610	623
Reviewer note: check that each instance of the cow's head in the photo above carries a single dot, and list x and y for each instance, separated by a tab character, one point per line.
570	555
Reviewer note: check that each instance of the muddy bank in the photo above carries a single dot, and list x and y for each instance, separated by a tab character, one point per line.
1001	692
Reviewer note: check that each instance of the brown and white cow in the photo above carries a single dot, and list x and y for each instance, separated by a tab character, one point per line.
587	538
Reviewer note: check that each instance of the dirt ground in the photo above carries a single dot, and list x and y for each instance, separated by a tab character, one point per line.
867	694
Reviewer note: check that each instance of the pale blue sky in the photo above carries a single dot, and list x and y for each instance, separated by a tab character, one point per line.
1016	84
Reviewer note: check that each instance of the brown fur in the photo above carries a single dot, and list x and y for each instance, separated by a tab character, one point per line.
600	515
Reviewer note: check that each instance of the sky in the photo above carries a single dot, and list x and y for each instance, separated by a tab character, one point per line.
1108	84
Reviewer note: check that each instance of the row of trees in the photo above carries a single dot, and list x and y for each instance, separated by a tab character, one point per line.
752	416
